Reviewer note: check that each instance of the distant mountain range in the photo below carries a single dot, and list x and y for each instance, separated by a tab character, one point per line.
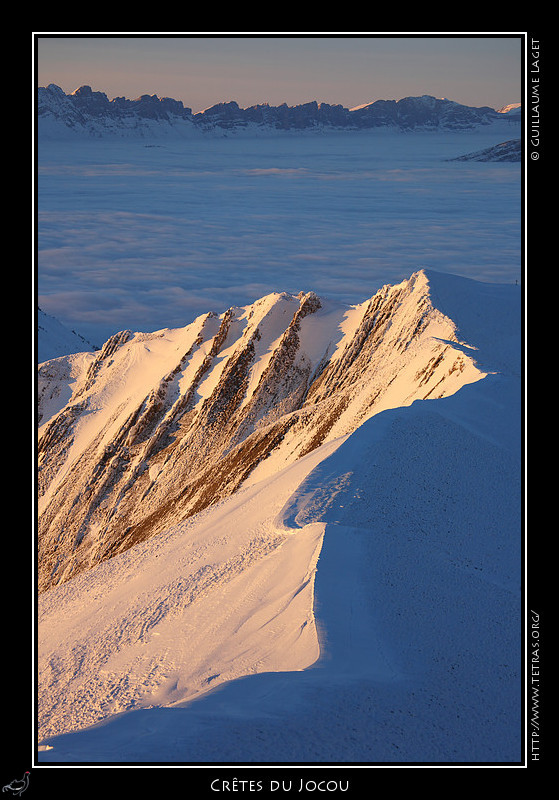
89	112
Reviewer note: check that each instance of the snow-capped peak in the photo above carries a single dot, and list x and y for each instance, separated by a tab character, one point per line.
511	107
229	399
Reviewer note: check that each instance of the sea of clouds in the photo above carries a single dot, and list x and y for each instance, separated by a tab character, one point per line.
143	235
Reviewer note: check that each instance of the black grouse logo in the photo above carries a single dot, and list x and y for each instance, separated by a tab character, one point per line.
17	787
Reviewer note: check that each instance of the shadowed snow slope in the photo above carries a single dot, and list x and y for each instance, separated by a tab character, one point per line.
54	340
361	604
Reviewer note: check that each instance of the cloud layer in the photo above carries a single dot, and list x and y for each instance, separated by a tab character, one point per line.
150	237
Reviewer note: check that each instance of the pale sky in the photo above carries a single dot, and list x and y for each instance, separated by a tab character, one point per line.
351	70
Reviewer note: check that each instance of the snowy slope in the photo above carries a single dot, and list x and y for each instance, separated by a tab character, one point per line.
54	339
360	603
511	150
511	108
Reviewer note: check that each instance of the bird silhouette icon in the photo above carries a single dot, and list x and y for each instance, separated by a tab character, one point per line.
17	787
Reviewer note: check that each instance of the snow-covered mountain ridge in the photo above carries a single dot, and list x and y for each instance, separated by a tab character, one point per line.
54	339
378	542
156	427
91	113
510	150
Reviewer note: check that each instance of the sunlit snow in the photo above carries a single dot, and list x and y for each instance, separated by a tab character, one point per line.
362	604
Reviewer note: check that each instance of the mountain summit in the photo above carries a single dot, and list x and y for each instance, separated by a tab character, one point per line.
155	427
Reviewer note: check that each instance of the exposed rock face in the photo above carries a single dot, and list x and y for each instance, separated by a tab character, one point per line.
159	426
93	114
